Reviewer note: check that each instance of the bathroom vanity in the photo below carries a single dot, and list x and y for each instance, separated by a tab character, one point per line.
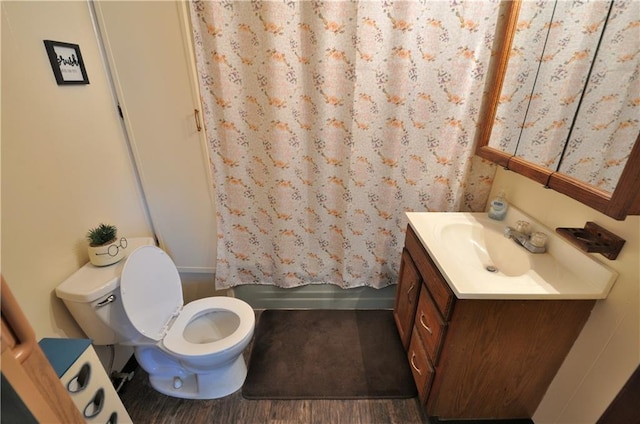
487	344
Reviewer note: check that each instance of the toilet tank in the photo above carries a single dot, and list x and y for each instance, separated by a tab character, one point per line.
92	295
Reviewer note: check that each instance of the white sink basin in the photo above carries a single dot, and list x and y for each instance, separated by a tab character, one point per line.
478	261
485	248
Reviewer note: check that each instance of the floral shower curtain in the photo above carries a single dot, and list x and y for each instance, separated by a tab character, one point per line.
327	121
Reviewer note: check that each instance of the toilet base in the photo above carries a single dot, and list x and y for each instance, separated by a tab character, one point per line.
215	384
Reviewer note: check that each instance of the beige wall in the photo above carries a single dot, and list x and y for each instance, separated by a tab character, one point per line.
608	349
65	162
66	167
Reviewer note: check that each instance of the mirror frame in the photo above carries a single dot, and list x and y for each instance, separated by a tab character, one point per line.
625	199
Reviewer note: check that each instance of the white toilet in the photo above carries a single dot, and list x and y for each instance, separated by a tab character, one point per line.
192	351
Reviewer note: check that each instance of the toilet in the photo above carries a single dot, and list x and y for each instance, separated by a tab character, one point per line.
191	351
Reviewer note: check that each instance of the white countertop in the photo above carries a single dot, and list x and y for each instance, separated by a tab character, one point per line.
564	272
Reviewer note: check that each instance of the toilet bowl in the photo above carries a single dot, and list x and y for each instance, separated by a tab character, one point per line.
191	351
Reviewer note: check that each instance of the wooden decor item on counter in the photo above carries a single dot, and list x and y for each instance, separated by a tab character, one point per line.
594	239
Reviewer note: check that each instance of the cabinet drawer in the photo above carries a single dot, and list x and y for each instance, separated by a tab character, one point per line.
435	282
409	285
430	325
420	367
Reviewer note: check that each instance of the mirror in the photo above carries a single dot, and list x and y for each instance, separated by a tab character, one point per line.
564	98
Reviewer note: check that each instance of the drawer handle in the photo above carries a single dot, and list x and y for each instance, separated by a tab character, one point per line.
80	380
409	291
426	327
413	356
113	418
95	405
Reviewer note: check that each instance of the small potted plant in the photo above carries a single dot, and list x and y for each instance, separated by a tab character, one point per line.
104	246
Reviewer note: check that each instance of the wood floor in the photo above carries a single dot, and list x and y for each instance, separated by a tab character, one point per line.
145	405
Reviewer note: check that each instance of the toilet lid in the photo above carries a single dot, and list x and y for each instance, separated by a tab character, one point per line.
151	290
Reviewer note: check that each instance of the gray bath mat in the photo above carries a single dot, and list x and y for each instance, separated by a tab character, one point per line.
327	354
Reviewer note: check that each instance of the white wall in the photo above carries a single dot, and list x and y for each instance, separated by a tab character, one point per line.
65	162
156	85
608	349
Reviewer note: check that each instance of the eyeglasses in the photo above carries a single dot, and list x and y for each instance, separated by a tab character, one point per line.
115	248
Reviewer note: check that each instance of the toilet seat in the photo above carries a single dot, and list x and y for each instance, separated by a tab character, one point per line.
151	291
175	342
152	298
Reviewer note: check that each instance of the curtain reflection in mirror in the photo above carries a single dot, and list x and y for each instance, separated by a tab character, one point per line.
524	60
608	121
545	114
564	36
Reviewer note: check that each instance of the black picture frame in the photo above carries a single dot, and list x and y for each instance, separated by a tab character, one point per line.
66	62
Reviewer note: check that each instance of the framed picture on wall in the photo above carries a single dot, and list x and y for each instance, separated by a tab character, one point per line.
66	62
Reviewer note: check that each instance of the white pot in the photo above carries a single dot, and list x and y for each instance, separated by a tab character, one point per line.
108	254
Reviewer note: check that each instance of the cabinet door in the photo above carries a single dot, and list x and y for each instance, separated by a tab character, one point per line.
404	311
149	54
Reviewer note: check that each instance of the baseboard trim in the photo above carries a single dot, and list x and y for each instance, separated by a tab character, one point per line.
315	296
196	270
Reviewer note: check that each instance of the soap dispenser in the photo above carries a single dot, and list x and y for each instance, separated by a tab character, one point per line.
498	207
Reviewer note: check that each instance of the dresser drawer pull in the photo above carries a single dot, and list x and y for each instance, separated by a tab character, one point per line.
426	327
413	286
80	380
95	405
413	356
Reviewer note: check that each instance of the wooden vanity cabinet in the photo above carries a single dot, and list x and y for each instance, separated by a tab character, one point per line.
479	358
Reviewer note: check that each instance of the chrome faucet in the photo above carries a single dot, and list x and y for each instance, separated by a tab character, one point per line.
525	240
